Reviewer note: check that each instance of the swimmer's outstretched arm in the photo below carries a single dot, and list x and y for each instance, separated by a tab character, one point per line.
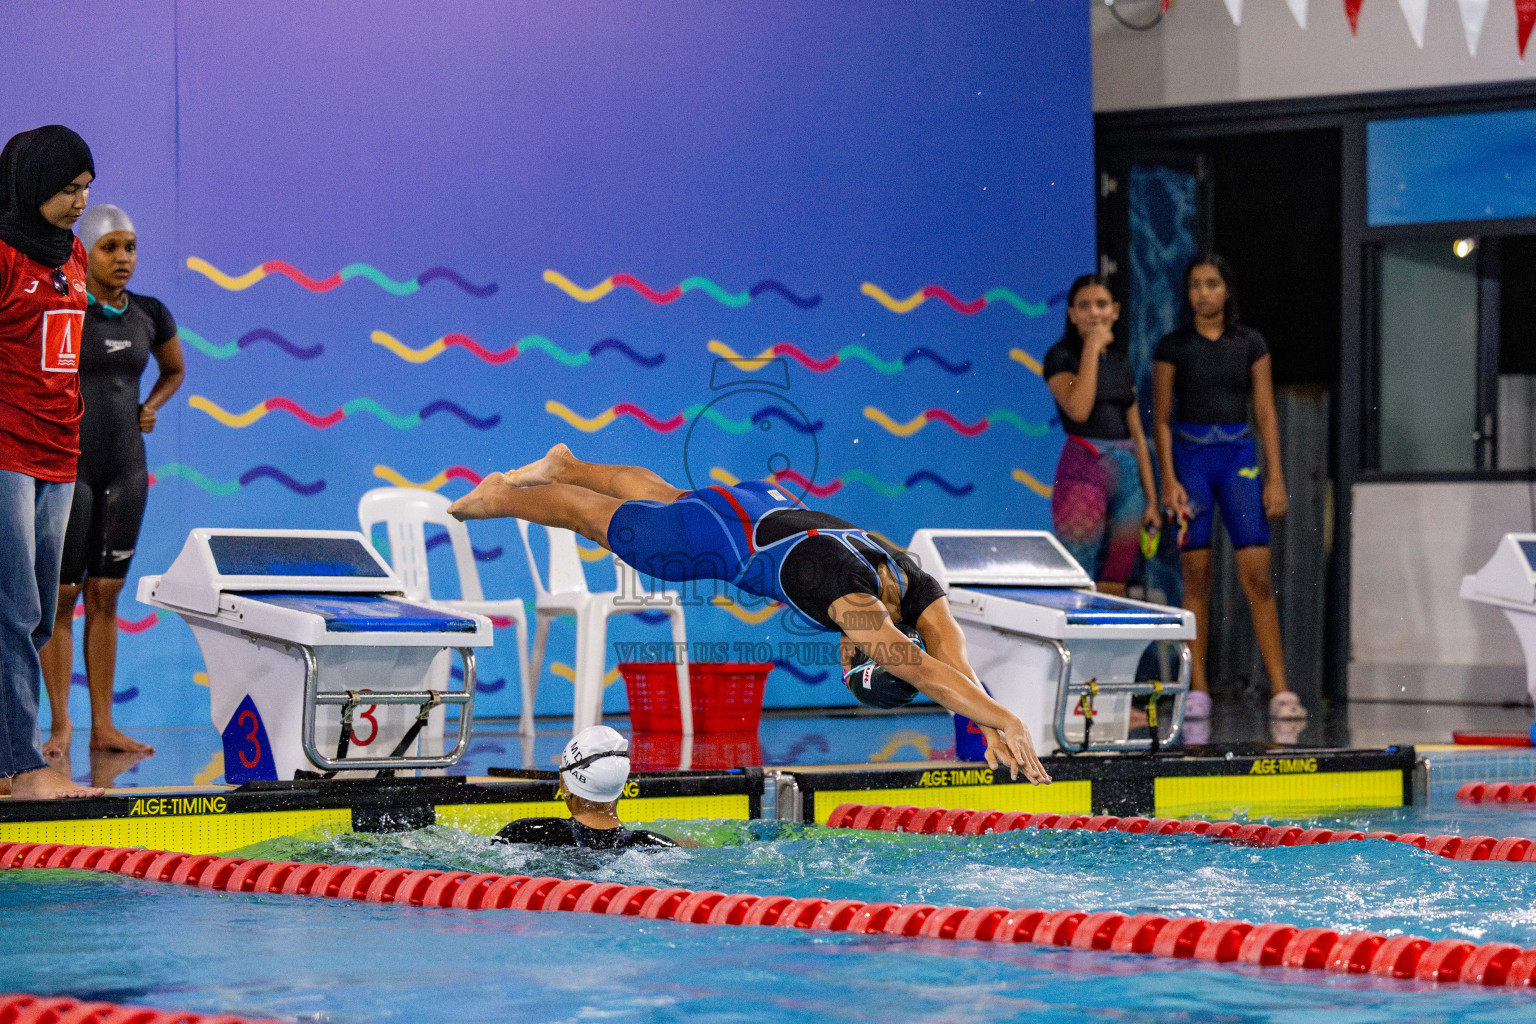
866	623
946	641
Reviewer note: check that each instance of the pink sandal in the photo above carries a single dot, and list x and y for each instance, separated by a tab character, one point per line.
1286	706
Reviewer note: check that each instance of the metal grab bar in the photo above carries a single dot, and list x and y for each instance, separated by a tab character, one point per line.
314	698
1066	691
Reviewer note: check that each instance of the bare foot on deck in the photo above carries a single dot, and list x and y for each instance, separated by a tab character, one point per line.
47	784
110	738
57	746
544	471
475	504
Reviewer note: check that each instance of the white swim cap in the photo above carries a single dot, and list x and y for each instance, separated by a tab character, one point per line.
101	220
595	764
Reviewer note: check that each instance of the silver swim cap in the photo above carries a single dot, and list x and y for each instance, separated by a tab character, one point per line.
101	220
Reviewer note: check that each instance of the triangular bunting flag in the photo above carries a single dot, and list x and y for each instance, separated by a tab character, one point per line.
1299	11
1235	8
1414	11
1352	12
1525	16
1473	13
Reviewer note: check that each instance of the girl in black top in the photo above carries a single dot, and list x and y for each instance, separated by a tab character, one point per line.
1104	492
1206	372
122	331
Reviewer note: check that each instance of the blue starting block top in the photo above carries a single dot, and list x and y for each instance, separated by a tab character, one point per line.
370	613
1084	607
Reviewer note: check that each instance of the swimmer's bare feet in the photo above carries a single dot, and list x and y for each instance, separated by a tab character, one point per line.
546	470
47	784
475	504
108	737
56	748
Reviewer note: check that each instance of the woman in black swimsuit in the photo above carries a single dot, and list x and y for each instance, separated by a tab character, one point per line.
122	330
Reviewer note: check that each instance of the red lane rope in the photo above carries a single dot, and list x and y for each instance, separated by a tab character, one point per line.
1497	793
929	820
1229	941
16	1008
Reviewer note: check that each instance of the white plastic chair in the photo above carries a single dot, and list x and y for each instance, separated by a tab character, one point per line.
567	594
405	511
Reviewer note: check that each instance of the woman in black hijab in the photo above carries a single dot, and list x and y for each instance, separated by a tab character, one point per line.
45	179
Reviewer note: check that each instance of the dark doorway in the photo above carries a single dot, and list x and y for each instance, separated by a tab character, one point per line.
1271	203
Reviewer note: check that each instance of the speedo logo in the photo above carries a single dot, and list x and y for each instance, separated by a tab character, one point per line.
117	344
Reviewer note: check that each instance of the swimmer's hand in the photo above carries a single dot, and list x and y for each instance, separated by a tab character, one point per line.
1013	747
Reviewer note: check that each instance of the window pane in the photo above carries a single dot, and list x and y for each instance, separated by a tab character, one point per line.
1428	324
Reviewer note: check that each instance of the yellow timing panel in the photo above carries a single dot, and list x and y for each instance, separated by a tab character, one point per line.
1278	795
1053	798
487	819
211	832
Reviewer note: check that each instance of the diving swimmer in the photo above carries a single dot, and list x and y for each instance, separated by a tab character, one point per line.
768	544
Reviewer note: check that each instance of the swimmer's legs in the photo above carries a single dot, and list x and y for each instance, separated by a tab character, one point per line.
627	483
571	508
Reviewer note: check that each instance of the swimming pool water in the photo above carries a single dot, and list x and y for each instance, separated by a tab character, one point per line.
103	936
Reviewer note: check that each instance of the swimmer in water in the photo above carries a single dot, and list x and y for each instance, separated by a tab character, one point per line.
593	770
765	543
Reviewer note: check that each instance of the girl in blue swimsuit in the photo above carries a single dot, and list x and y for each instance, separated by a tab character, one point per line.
1206	372
757	538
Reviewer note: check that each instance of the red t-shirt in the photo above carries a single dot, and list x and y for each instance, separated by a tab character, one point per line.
39	365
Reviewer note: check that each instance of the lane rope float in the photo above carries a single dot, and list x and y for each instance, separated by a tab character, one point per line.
20	1008
958	821
1497	793
1186	938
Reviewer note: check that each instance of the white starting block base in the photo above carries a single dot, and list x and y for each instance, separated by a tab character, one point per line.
1508	583
1041	639
269	674
315	660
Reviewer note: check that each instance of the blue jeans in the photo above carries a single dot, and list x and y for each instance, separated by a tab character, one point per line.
33	514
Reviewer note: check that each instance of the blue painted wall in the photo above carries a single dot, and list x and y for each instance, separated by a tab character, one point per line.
783	162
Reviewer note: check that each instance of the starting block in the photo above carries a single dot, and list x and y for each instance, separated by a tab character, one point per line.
315	660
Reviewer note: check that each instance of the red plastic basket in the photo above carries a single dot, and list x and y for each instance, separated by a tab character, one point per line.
727	697
663	751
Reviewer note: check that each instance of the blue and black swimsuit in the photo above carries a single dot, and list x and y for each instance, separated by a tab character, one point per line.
762	541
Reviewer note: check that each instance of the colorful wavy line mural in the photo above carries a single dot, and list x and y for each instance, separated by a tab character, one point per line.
787	350
464	473
531	343
122	696
245	341
481	685
330	419
971	308
808	678
1028	361
948	418
437	540
875	484
749	616
567	673
592	424
223	488
735	300
346	273
129	626
1033	482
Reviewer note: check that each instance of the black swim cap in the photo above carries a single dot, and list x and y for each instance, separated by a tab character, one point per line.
875	687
